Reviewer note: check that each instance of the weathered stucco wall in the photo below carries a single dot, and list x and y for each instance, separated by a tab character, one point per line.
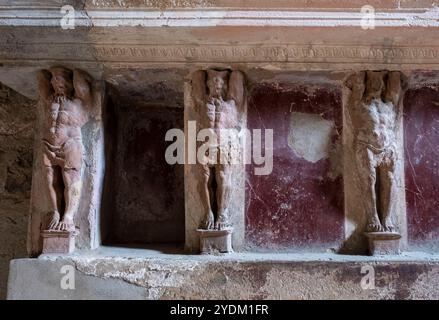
17	117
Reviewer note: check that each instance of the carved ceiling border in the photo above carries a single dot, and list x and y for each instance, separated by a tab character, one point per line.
212	53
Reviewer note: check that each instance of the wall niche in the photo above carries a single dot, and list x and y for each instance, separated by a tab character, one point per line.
299	206
143	198
421	115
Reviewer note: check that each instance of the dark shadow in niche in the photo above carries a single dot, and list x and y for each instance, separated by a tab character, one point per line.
143	198
110	138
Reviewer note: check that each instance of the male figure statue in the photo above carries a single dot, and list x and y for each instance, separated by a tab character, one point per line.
374	110
218	99
66	103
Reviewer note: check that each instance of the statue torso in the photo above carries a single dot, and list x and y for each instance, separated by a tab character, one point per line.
63	120
219	114
377	124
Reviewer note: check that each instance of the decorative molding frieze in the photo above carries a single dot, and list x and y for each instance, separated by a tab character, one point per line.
258	53
300	53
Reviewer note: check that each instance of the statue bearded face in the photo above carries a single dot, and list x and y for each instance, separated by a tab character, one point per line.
217	83
62	84
374	85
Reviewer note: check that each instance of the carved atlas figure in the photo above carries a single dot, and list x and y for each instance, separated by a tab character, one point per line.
66	103
218	97
374	107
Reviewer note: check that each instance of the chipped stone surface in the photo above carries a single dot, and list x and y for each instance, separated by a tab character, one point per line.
237	276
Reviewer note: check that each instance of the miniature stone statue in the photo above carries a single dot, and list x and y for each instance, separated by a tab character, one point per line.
218	99
66	104
374	110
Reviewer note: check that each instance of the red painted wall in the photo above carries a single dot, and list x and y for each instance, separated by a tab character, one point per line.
297	205
421	130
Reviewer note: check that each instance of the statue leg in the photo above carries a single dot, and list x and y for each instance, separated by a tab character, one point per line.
205	192
72	196
54	189
73	154
223	179
368	179
388	190
52	174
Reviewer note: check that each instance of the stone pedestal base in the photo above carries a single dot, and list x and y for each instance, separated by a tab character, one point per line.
214	241
383	243
58	241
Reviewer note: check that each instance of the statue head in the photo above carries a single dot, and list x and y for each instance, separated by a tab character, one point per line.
375	85
62	81
217	83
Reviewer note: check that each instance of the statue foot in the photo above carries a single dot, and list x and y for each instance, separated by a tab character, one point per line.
66	224
54	220
221	223
389	227
374	226
208	222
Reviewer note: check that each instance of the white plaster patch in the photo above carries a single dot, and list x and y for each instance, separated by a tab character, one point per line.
310	136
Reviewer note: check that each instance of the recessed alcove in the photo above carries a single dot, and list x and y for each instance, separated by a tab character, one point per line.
299	206
143	197
421	115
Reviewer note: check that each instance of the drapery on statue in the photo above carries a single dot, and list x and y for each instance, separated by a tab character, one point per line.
374	107
218	97
66	103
